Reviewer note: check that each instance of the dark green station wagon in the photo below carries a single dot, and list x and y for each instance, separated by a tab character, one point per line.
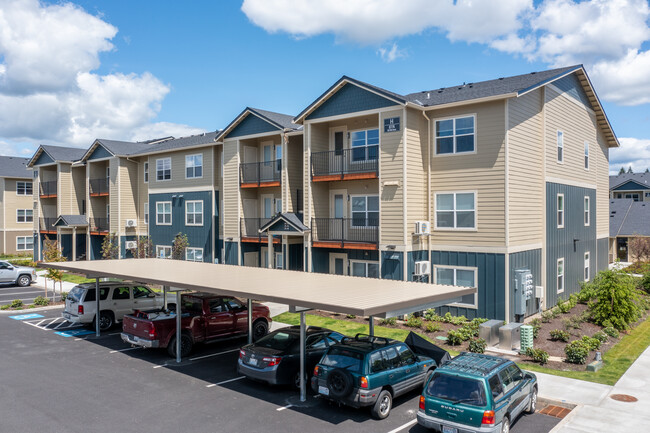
476	393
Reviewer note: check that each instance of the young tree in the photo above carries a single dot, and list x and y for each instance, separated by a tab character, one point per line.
622	170
144	250
647	170
629	170
110	247
639	248
52	253
615	300
179	245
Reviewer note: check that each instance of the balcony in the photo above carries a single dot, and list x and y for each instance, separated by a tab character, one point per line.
98	226
345	164
350	233
47	189
99	187
46	225
250	230
260	174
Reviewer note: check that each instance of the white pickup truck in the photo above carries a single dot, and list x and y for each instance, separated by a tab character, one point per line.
12	274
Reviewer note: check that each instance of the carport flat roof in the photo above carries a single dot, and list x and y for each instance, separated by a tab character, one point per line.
342	294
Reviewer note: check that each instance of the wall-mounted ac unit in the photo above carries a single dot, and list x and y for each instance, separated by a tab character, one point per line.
129	245
422	268
422	227
131	223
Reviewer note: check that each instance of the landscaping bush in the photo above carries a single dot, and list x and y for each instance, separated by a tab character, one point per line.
592	343
413	322
39	300
16	303
433	327
21	262
477	345
466	333
537	355
431	315
537	325
454	338
351	316
576	352
559	335
611	331
600	336
644	283
5	307
547	316
616	299
572	323
563	306
64	296
391	321
454	320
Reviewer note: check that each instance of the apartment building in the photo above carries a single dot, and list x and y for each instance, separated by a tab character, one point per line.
16	203
629	213
634	186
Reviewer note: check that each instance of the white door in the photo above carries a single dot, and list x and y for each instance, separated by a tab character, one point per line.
250	217
250	154
338	264
267	206
264	257
338	212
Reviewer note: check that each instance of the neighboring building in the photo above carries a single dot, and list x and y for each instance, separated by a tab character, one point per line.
629	215
16	202
635	186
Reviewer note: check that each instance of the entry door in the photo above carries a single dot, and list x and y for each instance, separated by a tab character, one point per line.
338	210
250	154
267	206
337	144
250	217
621	249
338	264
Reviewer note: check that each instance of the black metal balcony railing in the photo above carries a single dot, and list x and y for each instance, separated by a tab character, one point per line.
250	227
46	224
260	172
98	224
345	161
361	230
99	186
47	188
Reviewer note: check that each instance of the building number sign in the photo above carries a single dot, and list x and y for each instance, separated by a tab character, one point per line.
391	124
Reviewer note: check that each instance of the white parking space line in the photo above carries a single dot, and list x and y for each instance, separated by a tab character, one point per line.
405	426
160	366
36	326
285	407
60	324
124	350
214	354
114	333
225	381
20	293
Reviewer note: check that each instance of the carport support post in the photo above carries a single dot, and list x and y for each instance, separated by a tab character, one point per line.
250	320
97	315
178	326
164	297
371	326
303	384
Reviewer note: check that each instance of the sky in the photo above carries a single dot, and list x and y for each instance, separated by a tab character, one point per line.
71	72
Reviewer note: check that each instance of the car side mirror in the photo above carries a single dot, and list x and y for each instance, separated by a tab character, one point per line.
151	295
495	394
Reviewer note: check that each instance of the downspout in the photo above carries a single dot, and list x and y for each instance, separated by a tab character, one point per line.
429	193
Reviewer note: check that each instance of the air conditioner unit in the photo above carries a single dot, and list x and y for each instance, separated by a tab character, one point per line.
422	268
422	228
131	223
129	245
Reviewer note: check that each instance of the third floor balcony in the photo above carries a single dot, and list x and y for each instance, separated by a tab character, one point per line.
47	189
99	187
260	174
345	164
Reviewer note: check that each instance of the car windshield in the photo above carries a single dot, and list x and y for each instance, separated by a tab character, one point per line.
457	389
342	357
277	340
76	293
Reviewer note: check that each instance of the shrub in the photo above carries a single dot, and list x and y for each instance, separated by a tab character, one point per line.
431	315
572	323
454	338
413	322
537	355
586	293
454	320
611	331
16	303
592	343
5	307
644	284
64	296
600	336
616	299
563	306
559	335
433	327
477	345
39	300
466	333
537	325
391	321
547	316
350	316
576	352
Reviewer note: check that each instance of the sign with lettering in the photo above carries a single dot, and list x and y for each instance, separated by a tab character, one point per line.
391	124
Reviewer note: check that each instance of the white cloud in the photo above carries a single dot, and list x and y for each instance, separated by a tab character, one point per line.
633	153
392	54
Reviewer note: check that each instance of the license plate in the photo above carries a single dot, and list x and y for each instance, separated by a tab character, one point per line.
446	429
253	362
323	390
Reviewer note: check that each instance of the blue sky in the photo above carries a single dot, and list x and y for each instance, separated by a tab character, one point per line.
136	70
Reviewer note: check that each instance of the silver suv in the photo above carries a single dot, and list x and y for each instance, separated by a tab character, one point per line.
115	300
21	275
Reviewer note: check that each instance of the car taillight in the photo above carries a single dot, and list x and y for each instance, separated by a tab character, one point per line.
363	382
80	309
242	353
152	332
272	360
421	402
316	371
488	417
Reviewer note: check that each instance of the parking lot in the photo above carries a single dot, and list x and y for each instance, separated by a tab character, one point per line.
61	378
27	294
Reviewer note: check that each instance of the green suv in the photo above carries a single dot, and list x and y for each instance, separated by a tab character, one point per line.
476	393
370	371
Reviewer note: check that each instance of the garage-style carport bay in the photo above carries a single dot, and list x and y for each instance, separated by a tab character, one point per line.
300	290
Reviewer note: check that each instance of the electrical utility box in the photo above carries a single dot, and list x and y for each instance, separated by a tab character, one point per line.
524	290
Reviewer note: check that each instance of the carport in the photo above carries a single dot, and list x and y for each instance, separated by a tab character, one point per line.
302	291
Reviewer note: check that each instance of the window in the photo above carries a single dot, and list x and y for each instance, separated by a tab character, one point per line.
647	194
163	251
560	147
193	166
365	145
405	355
24	188
455	135
278	205
587	263
633	196
278	261
140	292
495	387
24	215
560	211
164	213
560	275
146	172
24	243
163	169
586	155
456	210
194	254
35	174
146	213
365	210
121	293
364	269
586	210
194	213
458	276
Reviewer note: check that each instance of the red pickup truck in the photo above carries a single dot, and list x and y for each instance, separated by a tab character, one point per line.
205	317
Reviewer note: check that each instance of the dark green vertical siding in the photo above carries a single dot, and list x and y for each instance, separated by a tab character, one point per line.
391	265
412	257
532	260
295	261
321	257
230	253
124	253
95	252
66	246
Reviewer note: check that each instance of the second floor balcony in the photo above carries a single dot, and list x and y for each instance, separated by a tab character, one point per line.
260	174
46	225
98	226
47	189
99	187
250	230
359	233
345	164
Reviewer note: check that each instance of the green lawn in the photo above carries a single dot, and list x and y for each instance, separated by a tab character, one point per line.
77	279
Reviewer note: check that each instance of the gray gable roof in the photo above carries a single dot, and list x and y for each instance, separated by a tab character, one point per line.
620	179
180	143
64	154
290	219
279	120
14	167
629	218
71	220
122	148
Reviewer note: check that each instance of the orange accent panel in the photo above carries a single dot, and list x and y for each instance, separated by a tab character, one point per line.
274	183
262	240
99	194
327	178
344	245
48	196
248	185
357	176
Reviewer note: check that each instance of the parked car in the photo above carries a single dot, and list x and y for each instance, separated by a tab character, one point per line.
20	275
370	371
275	358
205	317
476	393
115	300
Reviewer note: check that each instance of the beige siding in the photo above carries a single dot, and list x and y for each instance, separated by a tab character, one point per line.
3	204
525	169
11	203
319	143
143	195
10	236
600	160
65	190
113	198
79	189
178	170
391	166
482	172
231	189
417	157
128	202
294	172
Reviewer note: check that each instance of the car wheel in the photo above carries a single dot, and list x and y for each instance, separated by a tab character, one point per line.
260	328
24	280
296	379
505	425
339	383
186	346
106	321
532	405
382	406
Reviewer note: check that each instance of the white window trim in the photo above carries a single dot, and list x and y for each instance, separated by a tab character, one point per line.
170	213
454	229
194	213
557	211
557	265
559	144
192	156
194	249
462	268
24	188
145	172
25	242
25	216
351	263
587	160
146	213
435	136
586	213
170	169
365	146
164	247
352	196
586	271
